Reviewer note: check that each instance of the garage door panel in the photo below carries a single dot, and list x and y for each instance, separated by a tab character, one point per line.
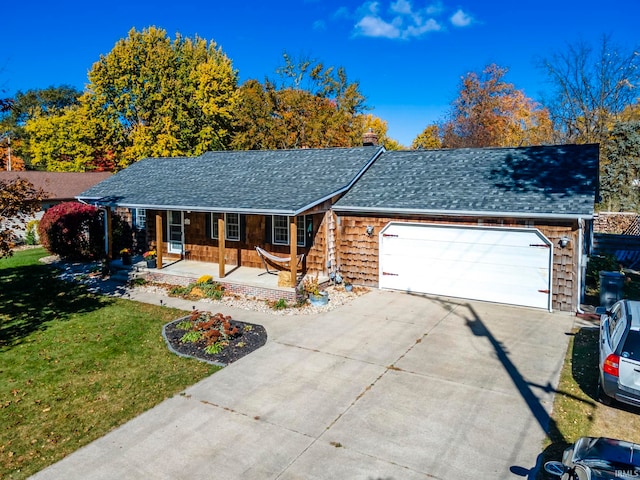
500	265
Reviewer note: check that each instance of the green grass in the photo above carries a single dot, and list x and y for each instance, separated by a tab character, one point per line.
75	365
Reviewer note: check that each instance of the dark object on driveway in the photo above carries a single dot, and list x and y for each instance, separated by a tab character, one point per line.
597	458
619	359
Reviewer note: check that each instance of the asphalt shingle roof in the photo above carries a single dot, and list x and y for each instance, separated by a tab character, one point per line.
58	185
257	181
546	180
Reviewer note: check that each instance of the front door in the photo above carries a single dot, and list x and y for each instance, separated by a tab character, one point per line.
175	233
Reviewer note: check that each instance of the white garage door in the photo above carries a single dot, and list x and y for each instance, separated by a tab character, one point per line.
503	265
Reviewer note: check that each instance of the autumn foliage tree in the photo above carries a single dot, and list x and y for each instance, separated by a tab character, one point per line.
307	105
489	112
19	199
35	103
428	139
153	96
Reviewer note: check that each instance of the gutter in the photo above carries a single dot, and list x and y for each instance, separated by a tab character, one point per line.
458	213
581	266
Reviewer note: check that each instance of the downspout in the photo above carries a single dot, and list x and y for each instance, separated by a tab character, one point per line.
581	265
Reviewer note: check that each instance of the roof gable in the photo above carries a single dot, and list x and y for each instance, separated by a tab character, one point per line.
256	181
526	181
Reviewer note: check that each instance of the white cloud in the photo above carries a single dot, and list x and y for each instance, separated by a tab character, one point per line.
436	8
372	26
402	7
403	19
461	19
319	25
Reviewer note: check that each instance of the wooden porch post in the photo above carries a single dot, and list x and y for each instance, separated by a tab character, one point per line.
293	249
159	241
221	238
109	245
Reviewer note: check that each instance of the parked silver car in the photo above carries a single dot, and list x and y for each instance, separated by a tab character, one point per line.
620	353
597	458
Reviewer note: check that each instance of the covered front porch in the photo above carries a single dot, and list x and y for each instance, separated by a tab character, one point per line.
248	281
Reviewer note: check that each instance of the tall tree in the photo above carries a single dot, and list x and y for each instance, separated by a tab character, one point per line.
19	199
67	142
620	168
47	101
428	139
51	101
490	112
158	97
307	105
592	87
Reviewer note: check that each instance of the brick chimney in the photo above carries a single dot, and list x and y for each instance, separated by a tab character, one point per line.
369	139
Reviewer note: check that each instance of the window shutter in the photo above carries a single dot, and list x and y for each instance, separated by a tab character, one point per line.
207	225
243	227
268	227
308	231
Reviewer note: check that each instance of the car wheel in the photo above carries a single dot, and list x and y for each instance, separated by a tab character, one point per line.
603	397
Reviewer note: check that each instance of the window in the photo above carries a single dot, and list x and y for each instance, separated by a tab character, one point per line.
139	217
232	226
631	347
281	230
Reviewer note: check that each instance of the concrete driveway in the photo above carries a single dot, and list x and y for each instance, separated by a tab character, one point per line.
391	386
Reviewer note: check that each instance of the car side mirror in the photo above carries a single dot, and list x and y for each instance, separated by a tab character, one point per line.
601	310
556	469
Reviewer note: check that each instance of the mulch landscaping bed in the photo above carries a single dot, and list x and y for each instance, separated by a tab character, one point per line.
245	343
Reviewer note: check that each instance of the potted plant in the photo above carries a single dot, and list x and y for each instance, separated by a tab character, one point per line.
150	258
347	286
125	255
311	287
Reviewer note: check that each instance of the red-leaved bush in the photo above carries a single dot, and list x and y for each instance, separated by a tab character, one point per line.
72	230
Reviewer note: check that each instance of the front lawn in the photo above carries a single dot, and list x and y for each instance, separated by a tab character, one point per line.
75	365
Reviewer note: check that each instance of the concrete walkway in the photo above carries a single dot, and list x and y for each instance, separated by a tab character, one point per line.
391	386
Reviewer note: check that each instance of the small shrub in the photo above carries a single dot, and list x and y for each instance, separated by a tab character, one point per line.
198	290
191	337
184	325
281	304
212	290
213	329
138	282
31	236
179	291
215	348
205	279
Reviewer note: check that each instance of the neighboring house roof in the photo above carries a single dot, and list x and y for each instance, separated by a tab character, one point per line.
58	186
547	181
285	182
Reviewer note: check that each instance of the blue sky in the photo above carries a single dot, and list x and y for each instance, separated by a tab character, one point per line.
408	55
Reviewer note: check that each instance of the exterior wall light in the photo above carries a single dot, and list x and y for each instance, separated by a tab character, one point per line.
370	230
564	241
